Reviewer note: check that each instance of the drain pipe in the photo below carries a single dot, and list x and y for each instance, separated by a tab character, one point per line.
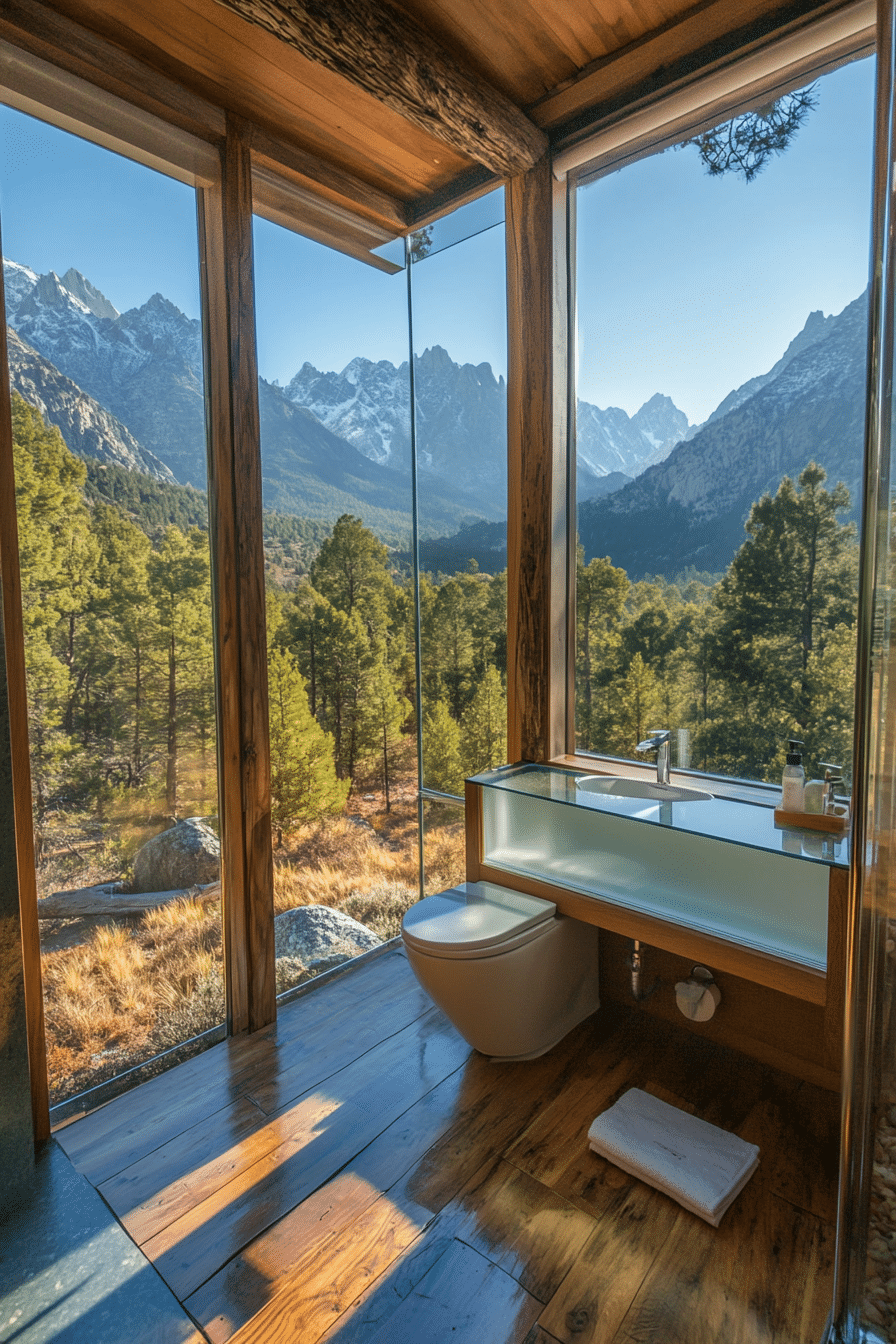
635	962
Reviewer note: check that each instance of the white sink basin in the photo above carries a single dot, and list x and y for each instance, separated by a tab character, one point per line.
622	787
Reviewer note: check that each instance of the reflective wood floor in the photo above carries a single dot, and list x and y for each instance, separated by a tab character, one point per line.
358	1173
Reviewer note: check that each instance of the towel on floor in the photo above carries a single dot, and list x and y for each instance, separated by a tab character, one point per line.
701	1166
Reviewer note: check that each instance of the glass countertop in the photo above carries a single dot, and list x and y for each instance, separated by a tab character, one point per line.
739	823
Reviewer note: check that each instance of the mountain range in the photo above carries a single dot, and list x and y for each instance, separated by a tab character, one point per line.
689	510
655	493
144	369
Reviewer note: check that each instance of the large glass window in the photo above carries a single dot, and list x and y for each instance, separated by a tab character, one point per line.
336	472
722	314
460	363
102	294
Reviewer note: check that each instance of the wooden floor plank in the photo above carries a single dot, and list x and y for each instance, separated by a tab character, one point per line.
123	1131
594	1298
330	1279
715	1283
196	1245
521	1226
801	1165
710	1284
538	1335
336	1043
508	1099
243	1286
426	1157
152	1193
608	1067
464	1298
381	1299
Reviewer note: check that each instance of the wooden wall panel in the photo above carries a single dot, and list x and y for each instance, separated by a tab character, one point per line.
21	758
238	553
537	466
772	1027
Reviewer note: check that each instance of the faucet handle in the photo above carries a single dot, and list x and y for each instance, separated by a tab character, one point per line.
831	771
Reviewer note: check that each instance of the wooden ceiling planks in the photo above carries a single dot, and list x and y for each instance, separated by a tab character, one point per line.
611	77
250	72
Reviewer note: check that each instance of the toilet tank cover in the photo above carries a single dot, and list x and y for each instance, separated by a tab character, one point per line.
473	914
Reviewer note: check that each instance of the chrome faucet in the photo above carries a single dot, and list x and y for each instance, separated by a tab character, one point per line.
658	740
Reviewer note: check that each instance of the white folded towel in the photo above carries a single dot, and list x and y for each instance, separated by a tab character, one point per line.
701	1166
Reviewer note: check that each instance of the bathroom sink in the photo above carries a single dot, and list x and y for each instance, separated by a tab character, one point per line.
621	787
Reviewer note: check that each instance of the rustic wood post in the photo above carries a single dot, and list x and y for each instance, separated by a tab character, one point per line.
539	478
225	218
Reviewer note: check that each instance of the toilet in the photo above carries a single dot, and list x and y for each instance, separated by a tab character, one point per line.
511	974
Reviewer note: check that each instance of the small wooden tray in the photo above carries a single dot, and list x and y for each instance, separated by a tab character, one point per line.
812	821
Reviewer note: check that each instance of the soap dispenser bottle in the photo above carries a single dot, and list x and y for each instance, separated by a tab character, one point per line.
793	781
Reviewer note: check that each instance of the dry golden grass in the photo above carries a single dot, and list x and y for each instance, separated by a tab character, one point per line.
134	989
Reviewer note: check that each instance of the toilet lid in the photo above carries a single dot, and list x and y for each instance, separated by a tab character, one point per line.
472	915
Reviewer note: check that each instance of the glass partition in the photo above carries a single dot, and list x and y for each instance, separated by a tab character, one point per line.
444	853
102	297
722	310
336	473
460	365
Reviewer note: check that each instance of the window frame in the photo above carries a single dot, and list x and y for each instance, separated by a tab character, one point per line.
776	68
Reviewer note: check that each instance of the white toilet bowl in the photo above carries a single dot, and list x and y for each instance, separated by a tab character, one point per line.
510	973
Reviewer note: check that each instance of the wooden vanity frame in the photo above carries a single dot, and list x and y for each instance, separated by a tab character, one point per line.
775	1010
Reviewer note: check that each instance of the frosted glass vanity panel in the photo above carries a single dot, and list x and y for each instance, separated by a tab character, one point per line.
750	896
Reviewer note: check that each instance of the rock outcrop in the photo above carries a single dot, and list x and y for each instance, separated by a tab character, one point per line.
320	938
187	855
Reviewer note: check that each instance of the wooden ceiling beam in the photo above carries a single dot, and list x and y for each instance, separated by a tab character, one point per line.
377	47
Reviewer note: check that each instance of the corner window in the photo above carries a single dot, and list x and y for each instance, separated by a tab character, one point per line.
722	318
101	272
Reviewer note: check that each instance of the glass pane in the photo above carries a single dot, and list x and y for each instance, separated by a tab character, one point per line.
335	431
866	1233
722	309
460	344
102	293
444	854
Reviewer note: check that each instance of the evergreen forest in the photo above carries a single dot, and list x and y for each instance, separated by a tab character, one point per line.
118	637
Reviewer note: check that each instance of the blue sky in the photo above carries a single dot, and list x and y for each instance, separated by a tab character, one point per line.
688	285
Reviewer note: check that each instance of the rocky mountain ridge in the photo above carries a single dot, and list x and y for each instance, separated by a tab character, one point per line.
460	408
690	508
87	427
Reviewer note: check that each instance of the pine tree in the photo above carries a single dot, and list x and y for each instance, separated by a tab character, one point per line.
51	517
638	704
443	768
601	591
386	714
180	588
789	588
352	572
448	645
485	725
122	634
304	785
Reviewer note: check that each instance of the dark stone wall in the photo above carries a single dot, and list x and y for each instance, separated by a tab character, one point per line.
16	1129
